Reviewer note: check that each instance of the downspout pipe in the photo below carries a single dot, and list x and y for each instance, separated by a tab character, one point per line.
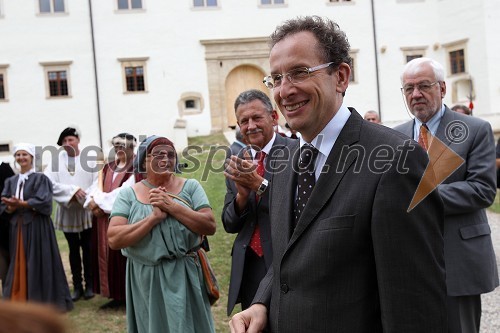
99	126
376	58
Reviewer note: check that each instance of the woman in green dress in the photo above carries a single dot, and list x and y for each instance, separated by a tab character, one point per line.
159	223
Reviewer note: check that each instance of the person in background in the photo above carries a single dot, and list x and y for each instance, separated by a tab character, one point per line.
5	172
372	116
471	268
246	204
116	175
71	180
36	272
237	145
462	109
498	162
348	254
159	224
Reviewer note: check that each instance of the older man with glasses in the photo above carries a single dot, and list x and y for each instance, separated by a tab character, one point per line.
466	193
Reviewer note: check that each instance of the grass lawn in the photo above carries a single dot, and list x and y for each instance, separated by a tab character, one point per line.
87	317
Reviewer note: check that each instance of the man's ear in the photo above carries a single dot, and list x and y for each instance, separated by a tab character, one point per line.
343	74
442	87
275	116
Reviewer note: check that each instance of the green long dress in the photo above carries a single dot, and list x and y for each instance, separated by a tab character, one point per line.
165	288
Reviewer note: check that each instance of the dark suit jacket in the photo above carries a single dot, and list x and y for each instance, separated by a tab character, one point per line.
357	261
470	259
244	224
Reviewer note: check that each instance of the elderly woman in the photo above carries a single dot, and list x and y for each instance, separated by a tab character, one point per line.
159	223
35	272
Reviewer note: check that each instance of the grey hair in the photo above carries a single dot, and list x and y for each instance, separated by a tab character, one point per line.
251	95
414	65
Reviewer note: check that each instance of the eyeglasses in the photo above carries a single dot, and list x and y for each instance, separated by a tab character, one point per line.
163	154
297	75
423	87
119	146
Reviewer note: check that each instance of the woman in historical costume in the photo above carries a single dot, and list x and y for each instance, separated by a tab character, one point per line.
159	223
35	272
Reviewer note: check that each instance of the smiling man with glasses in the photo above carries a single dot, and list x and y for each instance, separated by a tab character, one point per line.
347	256
469	256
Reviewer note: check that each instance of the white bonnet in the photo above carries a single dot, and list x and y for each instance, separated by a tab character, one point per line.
30	148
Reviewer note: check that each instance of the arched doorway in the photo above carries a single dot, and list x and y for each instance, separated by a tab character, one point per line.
238	80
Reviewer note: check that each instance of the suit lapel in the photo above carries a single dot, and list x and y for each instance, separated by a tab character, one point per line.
441	134
407	128
336	166
283	180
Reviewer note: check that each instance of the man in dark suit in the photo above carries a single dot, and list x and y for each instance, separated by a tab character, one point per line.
349	257
471	267
246	205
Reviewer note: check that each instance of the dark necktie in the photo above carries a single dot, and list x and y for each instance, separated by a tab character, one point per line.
305	178
423	138
255	243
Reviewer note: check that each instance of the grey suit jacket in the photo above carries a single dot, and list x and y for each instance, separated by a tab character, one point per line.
471	267
357	261
244	224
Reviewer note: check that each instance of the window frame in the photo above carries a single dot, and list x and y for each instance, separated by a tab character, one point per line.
413	51
452	47
1	9
340	2
205	6
191	95
130	9
56	66
51	12
353	53
3	72
9	151
134	62
272	4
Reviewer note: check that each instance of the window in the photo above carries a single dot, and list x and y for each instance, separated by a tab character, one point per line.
135	78
353	77
134	75
340	0
129	4
4	148
3	83
457	61
51	6
272	2
413	52
462	91
57	83
205	3
190	103
457	57
1	8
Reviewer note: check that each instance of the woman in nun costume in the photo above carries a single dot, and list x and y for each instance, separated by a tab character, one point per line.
35	272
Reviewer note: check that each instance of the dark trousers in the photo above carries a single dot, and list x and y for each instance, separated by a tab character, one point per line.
464	313
77	240
253	273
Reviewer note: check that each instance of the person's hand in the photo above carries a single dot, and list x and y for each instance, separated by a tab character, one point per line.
92	205
79	196
243	172
252	320
98	212
158	197
158	215
13	202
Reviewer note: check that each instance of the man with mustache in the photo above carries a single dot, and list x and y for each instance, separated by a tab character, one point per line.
471	268
246	205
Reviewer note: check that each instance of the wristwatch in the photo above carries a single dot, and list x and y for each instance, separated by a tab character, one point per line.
263	187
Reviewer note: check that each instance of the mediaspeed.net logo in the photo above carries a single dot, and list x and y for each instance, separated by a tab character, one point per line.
443	161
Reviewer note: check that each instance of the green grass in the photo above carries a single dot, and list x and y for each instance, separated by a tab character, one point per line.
86	317
496	204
